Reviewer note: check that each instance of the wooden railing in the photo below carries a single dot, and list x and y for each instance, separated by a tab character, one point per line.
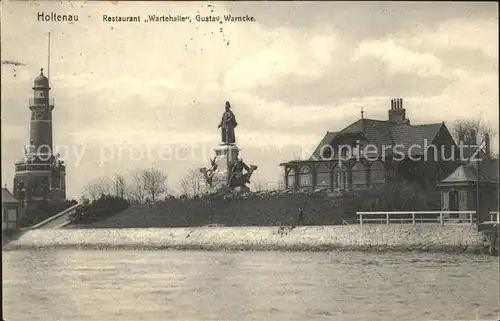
67	211
440	217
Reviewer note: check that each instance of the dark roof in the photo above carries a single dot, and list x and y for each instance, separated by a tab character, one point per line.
416	134
467	173
386	133
7	197
464	174
41	81
378	132
327	139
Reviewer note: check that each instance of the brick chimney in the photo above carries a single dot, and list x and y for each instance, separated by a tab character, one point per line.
397	113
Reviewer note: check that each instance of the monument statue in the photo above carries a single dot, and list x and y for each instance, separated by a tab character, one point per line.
227	125
240	174
228	172
208	174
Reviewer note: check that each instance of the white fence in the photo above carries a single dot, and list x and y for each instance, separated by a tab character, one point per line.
440	217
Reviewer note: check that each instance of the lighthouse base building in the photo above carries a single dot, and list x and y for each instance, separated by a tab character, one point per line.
40	175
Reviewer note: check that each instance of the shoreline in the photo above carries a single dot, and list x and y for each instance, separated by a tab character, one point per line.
368	238
448	249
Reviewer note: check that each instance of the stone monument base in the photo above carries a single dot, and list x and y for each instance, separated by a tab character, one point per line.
225	156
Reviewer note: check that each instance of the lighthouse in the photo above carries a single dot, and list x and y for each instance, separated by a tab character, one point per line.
40	175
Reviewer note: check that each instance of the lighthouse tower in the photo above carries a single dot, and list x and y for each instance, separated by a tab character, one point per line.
40	175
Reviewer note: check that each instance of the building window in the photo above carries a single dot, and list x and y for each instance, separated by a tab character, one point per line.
12	215
327	152
305	176
377	173
344	150
9	219
341	176
290	178
323	175
359	174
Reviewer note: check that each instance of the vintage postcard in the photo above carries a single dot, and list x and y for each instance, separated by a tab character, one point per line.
232	161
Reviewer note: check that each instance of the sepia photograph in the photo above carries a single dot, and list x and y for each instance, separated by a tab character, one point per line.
246	160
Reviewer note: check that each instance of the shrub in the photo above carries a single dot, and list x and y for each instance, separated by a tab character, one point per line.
43	211
104	207
401	196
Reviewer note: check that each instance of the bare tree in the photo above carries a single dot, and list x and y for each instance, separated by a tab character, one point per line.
193	183
91	191
98	188
466	129
137	191
154	182
119	185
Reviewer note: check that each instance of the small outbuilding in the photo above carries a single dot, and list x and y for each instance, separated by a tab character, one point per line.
11	210
459	190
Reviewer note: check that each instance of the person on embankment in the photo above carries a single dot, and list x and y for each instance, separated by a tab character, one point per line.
300	218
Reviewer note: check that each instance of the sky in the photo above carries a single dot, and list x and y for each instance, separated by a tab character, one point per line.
138	95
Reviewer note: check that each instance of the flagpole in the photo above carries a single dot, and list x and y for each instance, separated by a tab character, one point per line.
48	59
478	194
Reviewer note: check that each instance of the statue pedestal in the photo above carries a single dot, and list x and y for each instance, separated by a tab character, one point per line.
225	156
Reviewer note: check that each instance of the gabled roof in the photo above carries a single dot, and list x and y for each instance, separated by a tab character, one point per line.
377	131
416	134
467	173
329	136
464	174
386	133
7	197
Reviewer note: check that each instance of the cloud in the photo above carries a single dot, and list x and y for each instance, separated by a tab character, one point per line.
468	34
399	58
283	52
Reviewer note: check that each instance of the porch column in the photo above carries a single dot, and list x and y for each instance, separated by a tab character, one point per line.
349	176
314	174
287	170
332	179
445	200
296	171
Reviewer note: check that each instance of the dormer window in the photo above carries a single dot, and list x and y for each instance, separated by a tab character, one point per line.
327	152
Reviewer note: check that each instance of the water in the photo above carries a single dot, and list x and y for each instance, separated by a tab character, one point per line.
85	285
